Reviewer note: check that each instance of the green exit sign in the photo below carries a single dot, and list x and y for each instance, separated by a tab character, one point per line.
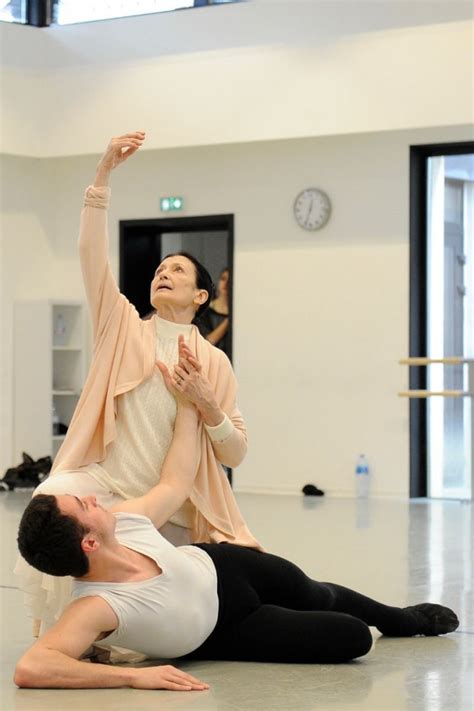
171	204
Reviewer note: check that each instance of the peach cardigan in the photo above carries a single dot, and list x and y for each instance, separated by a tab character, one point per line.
124	356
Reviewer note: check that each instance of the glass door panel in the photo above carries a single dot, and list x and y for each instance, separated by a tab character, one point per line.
450	323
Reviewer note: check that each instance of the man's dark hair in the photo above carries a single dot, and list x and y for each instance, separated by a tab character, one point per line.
203	279
50	540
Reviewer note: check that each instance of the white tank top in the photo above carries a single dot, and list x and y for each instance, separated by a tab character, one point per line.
170	614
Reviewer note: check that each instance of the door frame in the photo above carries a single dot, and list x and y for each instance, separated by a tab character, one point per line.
418	280
201	223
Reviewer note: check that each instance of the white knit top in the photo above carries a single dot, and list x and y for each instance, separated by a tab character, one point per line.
168	615
144	429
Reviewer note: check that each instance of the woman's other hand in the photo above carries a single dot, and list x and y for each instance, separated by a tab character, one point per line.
119	149
192	384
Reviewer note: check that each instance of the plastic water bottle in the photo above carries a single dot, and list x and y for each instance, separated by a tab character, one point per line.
55	419
60	331
362	477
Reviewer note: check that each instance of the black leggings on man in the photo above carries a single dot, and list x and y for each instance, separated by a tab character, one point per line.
270	611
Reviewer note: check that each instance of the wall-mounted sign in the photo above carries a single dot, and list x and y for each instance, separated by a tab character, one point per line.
171	204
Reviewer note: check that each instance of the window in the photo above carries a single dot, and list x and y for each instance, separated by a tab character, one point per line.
42	13
67	12
13	11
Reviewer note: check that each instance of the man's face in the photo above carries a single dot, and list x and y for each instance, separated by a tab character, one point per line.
88	513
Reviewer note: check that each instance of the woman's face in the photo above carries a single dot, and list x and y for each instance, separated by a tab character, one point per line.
174	284
223	283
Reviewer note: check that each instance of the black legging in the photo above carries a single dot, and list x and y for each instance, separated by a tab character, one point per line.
270	611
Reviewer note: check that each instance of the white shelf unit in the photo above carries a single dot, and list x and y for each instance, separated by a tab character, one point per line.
49	371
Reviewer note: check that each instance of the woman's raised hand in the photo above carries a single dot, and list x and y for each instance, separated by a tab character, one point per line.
119	149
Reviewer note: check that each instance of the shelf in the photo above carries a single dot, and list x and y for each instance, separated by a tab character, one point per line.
54	385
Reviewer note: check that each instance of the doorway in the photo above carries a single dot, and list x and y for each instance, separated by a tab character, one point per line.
144	243
441	317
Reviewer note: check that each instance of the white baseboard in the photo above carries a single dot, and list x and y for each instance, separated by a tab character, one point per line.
333	493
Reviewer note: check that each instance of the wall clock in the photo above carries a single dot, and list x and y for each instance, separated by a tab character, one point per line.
312	209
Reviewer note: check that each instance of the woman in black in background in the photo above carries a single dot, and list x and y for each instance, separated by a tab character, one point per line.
214	323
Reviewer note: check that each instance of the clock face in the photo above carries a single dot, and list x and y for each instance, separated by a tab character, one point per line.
312	209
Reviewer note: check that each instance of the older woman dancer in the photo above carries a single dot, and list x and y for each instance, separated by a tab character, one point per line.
123	424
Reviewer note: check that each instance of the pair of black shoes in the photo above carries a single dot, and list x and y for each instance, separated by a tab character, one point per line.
26	475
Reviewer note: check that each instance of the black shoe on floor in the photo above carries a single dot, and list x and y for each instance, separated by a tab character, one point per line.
434	619
312	490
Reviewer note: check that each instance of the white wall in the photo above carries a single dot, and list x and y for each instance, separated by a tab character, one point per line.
381	80
33	262
320	319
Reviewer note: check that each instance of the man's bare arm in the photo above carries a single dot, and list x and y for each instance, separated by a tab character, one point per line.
53	661
177	475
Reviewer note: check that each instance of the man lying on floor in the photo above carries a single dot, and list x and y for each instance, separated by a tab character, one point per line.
133	589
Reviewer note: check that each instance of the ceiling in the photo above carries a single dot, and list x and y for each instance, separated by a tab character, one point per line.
222	27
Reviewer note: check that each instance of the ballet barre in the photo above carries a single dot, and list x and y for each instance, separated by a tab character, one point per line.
450	360
421	361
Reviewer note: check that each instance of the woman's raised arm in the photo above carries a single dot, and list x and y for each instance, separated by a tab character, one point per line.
100	285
